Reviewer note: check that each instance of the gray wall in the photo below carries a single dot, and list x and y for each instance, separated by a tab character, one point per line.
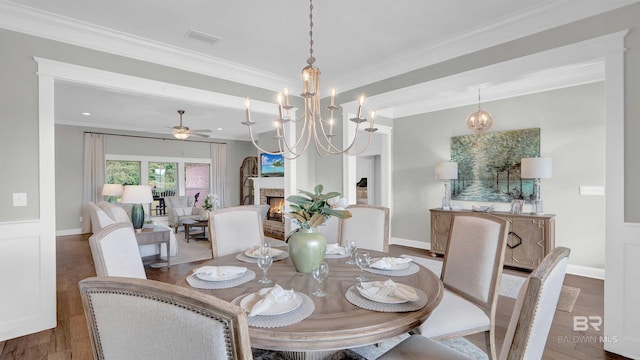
571	123
69	164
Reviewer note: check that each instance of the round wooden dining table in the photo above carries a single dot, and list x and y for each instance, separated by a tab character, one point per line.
335	323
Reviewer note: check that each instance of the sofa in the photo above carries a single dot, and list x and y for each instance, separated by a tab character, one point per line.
105	213
180	208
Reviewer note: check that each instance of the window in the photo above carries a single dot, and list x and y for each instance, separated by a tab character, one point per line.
163	177
123	172
197	181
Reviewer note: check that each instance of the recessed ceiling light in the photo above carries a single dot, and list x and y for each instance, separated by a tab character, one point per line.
219	129
86	113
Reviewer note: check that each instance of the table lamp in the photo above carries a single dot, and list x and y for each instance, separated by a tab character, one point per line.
536	169
137	195
446	171
112	191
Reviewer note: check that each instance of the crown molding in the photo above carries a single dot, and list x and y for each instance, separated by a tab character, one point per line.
571	65
31	21
24	19
528	22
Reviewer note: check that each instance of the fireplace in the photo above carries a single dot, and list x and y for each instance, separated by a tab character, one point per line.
274	224
276	206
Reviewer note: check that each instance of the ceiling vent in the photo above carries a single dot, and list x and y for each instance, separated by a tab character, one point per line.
200	36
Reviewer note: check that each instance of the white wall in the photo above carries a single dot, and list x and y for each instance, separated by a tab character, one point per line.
571	123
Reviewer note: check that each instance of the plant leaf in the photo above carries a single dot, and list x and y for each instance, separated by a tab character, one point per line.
316	220
318	189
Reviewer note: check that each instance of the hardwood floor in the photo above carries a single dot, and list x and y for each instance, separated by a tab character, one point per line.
69	340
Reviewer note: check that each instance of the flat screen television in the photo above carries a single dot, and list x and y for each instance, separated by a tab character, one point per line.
271	165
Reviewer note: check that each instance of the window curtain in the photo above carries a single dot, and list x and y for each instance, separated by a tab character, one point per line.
94	175
219	172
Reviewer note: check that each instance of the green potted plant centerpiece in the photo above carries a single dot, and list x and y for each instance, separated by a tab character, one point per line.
309	210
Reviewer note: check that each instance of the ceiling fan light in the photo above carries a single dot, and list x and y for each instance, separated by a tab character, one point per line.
180	135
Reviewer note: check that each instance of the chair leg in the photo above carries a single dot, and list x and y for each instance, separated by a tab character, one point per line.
490	340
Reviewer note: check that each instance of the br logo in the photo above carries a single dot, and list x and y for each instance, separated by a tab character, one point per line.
582	323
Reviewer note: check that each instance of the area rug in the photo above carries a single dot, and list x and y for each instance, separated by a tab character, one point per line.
195	250
509	285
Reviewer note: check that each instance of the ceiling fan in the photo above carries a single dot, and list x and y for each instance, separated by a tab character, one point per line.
183	132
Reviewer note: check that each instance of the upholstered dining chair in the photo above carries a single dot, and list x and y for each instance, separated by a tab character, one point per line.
368	227
528	328
235	229
147	319
471	274
115	252
331	230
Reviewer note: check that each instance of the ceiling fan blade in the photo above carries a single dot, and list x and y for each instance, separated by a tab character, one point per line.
201	130
201	135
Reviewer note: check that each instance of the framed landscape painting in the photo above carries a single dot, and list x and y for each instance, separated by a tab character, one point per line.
489	165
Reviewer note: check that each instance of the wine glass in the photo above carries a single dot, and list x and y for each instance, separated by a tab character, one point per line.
265	248
351	249
362	260
320	272
264	263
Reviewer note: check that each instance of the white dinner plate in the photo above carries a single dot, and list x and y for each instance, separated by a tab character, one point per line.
394	267
252	253
384	299
250	300
210	273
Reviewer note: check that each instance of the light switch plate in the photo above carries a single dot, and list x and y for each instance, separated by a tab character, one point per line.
19	199
592	190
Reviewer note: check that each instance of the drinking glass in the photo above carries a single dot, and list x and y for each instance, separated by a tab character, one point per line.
264	263
351	249
320	272
362	260
265	248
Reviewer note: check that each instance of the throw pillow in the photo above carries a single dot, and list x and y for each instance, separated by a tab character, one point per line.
183	211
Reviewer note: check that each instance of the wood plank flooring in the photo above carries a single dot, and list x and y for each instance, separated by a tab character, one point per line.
69	340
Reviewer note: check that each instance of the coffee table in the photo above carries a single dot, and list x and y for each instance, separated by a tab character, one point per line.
201	234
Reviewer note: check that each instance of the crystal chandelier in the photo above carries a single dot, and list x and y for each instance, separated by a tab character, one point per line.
313	124
479	121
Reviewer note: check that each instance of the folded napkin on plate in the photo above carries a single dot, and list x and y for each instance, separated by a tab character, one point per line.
255	252
218	271
390	263
384	289
335	249
269	297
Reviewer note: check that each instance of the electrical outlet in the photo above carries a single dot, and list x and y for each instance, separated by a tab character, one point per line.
19	199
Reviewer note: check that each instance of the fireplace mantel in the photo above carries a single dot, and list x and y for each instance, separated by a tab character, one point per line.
266	183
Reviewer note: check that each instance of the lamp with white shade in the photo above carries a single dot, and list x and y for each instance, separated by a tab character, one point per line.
446	171
536	169
112	191
137	195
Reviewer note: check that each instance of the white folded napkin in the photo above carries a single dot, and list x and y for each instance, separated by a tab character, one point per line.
269	297
335	249
386	289
390	263
219	271
255	252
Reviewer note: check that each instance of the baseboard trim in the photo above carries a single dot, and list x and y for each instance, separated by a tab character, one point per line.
586	271
66	232
410	243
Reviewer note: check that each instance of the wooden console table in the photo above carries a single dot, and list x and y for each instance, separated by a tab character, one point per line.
155	235
531	237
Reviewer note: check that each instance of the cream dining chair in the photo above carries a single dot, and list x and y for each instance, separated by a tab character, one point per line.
115	252
368	227
235	229
528	328
146	319
331	230
471	274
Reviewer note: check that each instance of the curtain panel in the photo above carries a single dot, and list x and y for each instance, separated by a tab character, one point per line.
94	175
219	172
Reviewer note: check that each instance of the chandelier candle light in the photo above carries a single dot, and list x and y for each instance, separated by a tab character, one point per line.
446	171
313	124
137	195
536	169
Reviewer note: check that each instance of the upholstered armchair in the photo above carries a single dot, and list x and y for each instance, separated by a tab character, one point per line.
180	208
